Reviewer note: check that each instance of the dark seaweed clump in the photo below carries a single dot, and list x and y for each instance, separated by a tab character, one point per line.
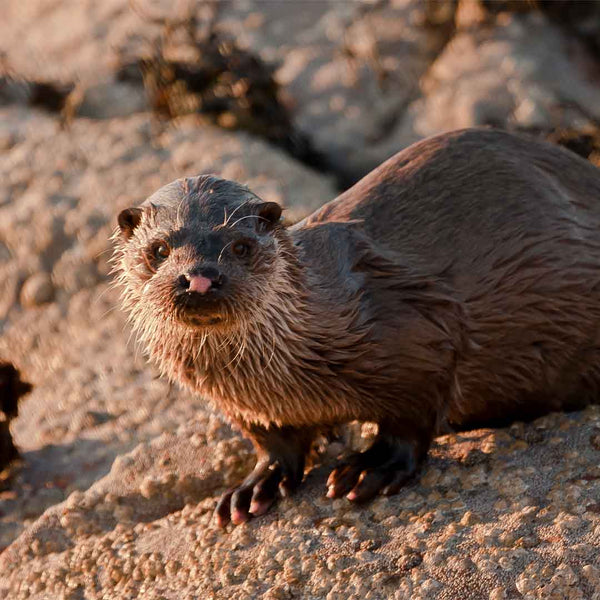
230	86
12	388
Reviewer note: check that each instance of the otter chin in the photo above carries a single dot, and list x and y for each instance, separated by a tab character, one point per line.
201	321
457	285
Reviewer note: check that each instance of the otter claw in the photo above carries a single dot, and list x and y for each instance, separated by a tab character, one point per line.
223	509
238	517
369	484
343	479
259	508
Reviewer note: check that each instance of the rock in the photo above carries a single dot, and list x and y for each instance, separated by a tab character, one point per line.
163	493
10	278
74	271
516	75
36	290
47	47
108	99
338	62
582	19
496	514
349	69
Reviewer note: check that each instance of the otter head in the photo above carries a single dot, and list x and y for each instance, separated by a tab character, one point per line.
200	253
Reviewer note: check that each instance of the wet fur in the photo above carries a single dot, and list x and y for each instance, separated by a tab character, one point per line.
513	228
458	283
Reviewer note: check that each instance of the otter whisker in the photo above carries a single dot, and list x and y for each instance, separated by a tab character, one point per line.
102	252
202	342
274	344
108	311
131	333
223	250
239	353
227	219
178	217
243	348
101	294
248	217
227	340
200	346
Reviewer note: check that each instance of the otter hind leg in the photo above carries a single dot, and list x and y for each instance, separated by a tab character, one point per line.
391	460
279	469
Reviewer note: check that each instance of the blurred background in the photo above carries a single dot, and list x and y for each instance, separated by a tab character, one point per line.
102	102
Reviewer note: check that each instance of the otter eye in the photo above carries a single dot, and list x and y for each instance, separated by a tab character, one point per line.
161	251
242	248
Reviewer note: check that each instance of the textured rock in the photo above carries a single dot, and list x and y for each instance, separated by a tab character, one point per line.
68	41
147	527
121	471
524	73
350	68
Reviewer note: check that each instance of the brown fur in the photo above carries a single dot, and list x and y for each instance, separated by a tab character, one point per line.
457	283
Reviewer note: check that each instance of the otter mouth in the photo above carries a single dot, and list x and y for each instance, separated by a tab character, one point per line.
196	310
196	320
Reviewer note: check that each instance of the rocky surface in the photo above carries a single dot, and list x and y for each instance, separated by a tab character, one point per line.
348	70
120	471
495	514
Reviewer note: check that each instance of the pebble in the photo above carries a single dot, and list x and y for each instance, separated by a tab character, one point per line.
37	290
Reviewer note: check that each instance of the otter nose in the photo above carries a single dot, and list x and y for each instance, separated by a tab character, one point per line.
199	284
202	280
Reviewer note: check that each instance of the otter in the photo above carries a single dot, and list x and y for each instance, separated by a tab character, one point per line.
456	285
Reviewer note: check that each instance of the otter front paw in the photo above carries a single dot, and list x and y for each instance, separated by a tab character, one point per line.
280	469
257	493
383	468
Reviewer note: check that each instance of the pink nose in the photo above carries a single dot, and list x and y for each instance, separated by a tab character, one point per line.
199	284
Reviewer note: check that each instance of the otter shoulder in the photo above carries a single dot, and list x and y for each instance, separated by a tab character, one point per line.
329	249
340	256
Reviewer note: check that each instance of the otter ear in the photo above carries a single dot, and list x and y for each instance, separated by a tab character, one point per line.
269	214
128	220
